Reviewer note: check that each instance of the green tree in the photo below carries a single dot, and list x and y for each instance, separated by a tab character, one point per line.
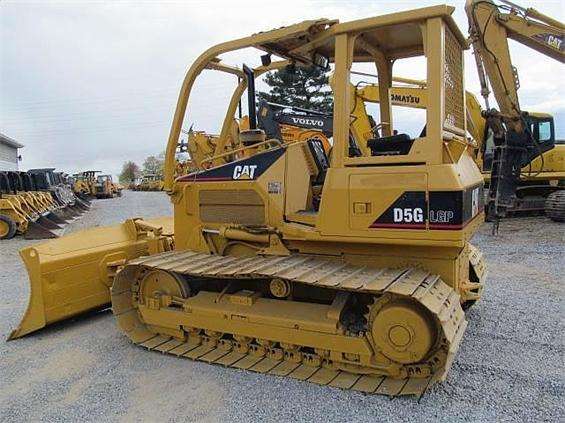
153	165
130	172
298	86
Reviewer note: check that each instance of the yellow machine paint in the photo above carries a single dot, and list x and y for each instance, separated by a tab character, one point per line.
491	25
540	177
73	274
85	183
350	271
25	211
149	182
104	187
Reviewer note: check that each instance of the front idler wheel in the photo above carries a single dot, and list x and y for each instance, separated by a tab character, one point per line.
159	288
403	330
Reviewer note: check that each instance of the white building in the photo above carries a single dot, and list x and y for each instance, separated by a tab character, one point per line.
9	156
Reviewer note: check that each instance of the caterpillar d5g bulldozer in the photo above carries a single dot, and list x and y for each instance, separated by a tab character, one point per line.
349	271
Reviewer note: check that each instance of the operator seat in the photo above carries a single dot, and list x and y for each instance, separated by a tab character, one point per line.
394	145
321	160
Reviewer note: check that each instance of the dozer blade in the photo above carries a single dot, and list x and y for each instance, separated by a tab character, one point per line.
36	230
72	275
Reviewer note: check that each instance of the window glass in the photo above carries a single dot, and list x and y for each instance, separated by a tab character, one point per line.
544	129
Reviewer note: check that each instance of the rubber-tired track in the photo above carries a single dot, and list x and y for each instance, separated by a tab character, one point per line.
275	356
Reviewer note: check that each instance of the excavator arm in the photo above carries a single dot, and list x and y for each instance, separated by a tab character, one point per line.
490	27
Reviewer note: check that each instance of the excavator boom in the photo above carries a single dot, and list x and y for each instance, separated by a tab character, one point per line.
490	27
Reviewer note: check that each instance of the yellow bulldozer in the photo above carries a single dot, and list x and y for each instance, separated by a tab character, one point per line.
345	270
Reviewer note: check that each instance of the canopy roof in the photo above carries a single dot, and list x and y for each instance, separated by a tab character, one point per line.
396	35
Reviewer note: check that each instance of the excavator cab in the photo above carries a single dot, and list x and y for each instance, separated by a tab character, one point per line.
540	128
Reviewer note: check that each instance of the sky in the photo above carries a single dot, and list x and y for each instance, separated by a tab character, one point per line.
91	84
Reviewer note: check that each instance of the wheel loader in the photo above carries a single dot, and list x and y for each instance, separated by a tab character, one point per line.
25	212
46	179
343	270
83	184
104	187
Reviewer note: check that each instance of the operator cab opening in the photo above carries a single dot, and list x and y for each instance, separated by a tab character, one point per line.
542	129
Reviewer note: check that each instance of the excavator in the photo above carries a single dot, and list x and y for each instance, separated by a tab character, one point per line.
517	140
345	270
293	124
532	180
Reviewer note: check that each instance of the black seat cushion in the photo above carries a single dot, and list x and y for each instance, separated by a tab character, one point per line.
394	145
320	158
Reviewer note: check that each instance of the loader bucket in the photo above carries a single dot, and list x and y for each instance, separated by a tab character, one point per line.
81	205
69	213
47	223
72	274
54	217
36	230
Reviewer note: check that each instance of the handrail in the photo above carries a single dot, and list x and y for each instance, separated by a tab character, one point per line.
237	150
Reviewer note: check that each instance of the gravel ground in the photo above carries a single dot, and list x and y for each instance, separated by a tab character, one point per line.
509	367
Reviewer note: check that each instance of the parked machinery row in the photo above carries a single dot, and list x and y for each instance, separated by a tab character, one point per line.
37	203
149	182
88	185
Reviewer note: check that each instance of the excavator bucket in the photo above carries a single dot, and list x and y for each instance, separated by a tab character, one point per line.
72	275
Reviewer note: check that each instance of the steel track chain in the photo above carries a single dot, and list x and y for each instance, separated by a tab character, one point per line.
426	288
